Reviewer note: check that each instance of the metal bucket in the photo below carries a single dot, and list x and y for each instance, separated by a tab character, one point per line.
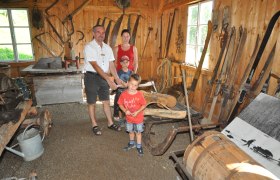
30	143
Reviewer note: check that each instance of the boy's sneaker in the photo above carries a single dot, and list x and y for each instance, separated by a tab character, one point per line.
140	151
129	146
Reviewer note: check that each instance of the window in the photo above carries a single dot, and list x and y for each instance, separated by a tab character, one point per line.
198	16
15	41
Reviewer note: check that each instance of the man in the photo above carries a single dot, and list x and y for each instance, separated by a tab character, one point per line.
99	62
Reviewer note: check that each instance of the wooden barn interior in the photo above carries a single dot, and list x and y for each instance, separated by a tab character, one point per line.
205	54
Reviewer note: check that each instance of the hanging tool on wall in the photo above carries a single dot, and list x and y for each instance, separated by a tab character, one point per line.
228	89
107	31
256	87
48	19
115	31
128	22
134	32
81	38
67	19
180	39
215	71
72	29
276	91
243	89
98	21
169	34
215	19
37	17
160	38
49	50
203	54
70	16
123	4
48	8
263	75
228	60
149	31
62	38
103	22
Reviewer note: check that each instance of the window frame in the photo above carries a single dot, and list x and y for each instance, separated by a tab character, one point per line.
197	44
13	36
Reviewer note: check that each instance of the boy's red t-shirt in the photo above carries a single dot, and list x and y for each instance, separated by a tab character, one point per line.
133	102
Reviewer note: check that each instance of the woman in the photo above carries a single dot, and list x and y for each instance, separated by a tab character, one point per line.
128	50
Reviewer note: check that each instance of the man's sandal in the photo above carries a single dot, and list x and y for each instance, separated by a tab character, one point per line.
96	130
115	127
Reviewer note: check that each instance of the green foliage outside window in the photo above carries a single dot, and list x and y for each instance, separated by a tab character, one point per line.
192	35
198	16
15	35
7	54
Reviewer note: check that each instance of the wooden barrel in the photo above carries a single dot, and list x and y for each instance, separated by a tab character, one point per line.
213	156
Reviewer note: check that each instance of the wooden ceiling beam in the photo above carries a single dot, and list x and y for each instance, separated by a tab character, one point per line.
177	4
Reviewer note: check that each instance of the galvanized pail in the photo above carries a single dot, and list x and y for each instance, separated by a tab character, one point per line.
30	143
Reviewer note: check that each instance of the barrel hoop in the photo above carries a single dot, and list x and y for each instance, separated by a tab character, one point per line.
196	141
206	150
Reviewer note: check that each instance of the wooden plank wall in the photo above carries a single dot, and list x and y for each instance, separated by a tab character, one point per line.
86	18
251	14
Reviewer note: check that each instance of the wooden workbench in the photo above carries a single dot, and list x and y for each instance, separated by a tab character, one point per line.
8	130
54	86
29	69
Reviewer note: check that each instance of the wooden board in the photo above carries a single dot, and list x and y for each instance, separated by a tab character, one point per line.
8	130
165	113
58	89
71	69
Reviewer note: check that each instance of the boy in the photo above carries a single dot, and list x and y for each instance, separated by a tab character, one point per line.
123	74
132	102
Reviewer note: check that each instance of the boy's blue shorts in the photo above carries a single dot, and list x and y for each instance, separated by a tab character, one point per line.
137	128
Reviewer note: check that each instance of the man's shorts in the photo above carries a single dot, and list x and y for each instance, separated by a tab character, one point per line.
95	86
131	127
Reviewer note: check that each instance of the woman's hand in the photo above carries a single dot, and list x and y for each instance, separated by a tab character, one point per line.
119	81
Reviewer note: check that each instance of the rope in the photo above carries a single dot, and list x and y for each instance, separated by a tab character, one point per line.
164	70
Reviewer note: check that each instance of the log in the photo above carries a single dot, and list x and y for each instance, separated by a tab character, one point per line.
44	120
165	113
32	111
8	130
160	99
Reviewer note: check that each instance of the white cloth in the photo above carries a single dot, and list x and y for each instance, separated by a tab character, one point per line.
102	55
